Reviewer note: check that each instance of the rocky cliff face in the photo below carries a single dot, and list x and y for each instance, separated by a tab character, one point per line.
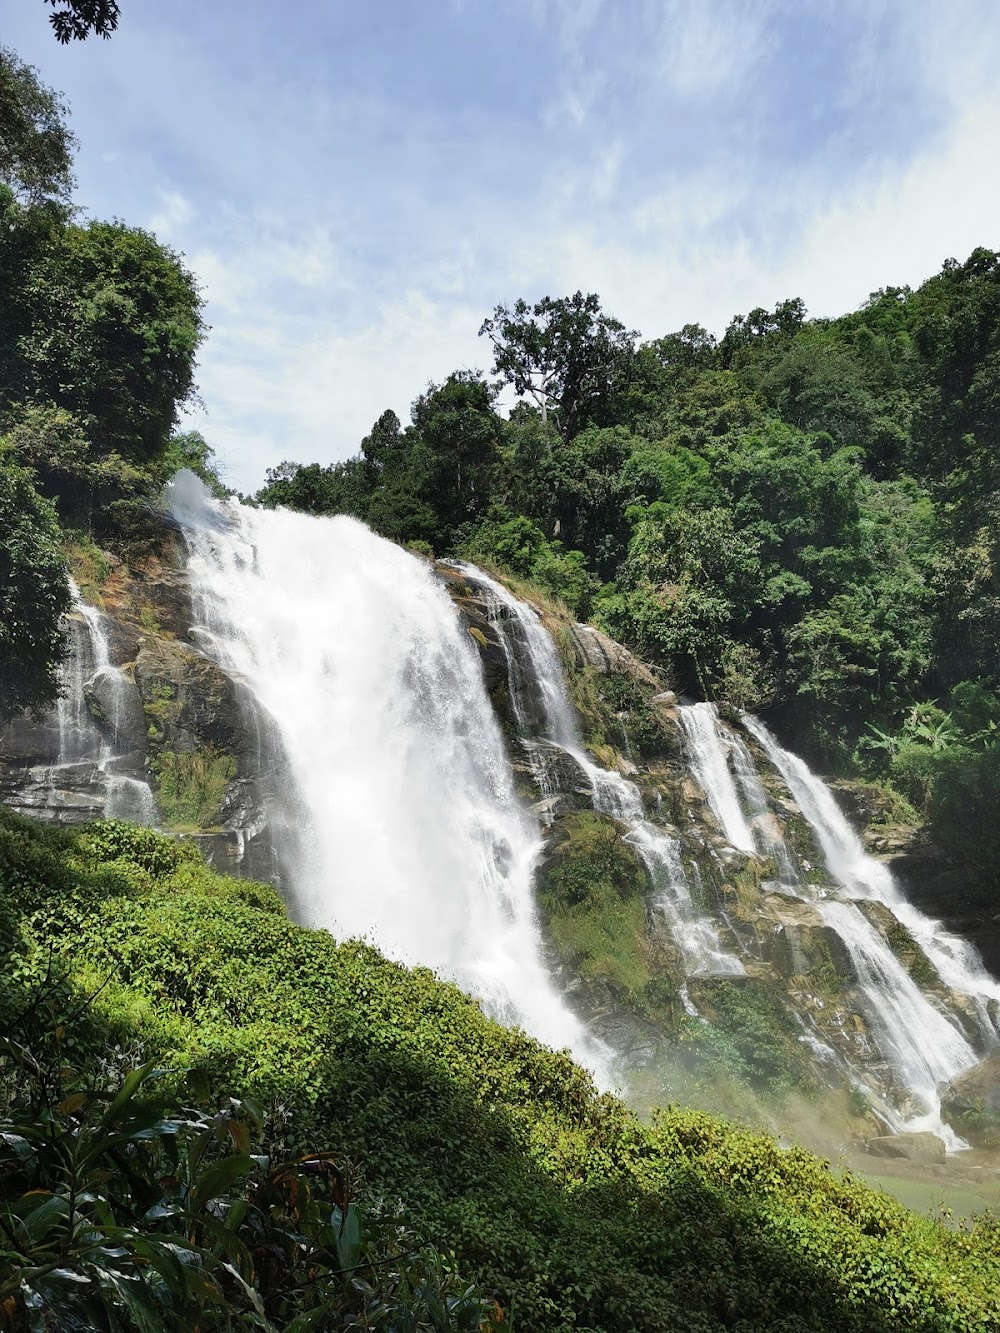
158	712
655	977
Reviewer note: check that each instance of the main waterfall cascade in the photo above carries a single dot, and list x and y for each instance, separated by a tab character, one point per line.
411	831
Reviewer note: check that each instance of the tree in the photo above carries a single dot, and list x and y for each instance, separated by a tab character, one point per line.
565	354
113	325
34	592
74	20
457	425
36	147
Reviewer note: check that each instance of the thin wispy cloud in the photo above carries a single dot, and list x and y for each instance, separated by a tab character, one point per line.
357	185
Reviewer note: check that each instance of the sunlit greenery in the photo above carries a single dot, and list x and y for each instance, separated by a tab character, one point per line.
452	1130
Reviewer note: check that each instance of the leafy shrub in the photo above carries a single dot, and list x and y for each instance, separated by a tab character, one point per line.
555	1200
118	1204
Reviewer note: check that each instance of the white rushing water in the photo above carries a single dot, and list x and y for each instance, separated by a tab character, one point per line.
954	959
542	709
707	753
924	1046
89	661
415	838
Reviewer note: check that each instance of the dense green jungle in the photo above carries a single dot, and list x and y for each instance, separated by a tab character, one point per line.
208	1110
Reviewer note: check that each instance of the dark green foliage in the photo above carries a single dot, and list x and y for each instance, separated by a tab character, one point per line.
642	731
36	147
74	20
566	354
34	592
99	326
519	547
115	324
122	1209
558	1202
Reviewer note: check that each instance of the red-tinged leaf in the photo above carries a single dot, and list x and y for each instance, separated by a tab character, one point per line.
240	1136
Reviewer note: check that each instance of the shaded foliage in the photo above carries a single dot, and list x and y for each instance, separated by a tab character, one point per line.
34	592
75	20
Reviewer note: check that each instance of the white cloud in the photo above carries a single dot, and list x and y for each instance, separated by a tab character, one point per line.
708	47
173	216
282	385
350	231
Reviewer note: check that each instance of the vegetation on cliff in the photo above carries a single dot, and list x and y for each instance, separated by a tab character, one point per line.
557	1201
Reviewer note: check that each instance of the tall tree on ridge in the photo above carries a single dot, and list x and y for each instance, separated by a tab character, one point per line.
564	354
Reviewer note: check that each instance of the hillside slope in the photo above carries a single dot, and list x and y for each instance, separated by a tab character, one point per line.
562	1204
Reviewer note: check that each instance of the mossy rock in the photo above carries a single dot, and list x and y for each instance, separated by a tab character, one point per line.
752	1034
971	1104
902	944
592	900
190	703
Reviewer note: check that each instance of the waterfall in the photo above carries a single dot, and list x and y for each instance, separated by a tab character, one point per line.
127	797
92	769
710	767
924	1046
411	833
546	721
955	960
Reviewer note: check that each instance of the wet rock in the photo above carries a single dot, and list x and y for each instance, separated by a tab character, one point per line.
64	793
190	702
971	1103
122	641
596	650
483	633
160	592
116	704
925	1148
796	942
25	741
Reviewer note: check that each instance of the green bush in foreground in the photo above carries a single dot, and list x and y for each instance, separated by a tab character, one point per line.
116	1204
558	1202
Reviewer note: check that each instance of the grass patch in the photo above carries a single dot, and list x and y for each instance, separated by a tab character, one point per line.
191	787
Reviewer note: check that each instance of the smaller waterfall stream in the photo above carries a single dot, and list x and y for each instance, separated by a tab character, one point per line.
925	1046
128	797
92	771
955	961
710	767
547	723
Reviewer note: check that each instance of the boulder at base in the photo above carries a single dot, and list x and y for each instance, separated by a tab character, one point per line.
971	1103
925	1147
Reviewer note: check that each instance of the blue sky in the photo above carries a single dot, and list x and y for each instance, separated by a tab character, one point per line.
357	185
